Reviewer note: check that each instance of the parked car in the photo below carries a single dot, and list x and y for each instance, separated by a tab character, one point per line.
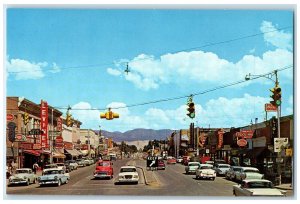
86	162
192	167
22	176
50	166
206	171
257	187
68	167
161	165
54	176
80	162
219	161
171	160
221	169
128	174
230	174
104	169
73	164
61	166
209	162
248	173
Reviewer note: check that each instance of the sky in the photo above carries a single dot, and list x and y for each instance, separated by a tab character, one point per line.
77	57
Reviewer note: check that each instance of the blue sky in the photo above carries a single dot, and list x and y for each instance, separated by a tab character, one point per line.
77	57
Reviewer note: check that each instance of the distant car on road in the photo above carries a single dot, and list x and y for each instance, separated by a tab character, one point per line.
104	169
192	167
221	169
54	176
171	160
209	162
257	187
161	165
248	173
128	174
22	176
206	171
179	159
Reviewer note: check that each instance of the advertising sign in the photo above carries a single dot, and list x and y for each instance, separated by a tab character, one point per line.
242	142
270	108
244	134
44	124
220	139
68	145
10	117
20	138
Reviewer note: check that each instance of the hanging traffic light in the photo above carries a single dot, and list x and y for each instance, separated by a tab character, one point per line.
278	96
191	109
109	115
273	102
69	120
274	127
26	118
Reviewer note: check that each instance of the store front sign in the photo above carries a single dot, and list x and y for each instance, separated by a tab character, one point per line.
242	142
259	142
44	124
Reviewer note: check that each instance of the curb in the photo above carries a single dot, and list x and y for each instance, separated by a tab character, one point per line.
284	188
145	179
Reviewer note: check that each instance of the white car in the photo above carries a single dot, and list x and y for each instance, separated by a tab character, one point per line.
179	159
206	171
128	174
73	164
221	169
257	187
248	173
61	166
192	167
22	176
50	166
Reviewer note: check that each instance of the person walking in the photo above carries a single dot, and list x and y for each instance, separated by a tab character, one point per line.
35	167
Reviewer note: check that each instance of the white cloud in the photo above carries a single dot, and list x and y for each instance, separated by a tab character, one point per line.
279	39
113	72
22	69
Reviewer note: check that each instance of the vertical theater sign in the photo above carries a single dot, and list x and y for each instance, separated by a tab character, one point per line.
44	124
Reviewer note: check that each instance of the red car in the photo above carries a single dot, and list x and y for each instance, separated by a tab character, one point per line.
161	165
171	160
104	169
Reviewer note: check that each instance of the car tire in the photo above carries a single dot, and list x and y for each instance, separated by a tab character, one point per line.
28	182
34	181
213	178
67	181
59	183
197	177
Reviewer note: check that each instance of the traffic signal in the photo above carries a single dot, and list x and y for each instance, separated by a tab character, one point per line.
109	115
191	109
274	128
276	96
69	120
26	118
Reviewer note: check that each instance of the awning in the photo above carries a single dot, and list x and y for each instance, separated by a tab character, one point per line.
44	151
57	154
71	152
32	152
9	152
84	152
78	152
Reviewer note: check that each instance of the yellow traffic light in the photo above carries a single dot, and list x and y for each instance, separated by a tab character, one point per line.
109	115
26	118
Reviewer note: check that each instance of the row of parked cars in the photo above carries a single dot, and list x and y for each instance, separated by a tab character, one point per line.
52	174
250	181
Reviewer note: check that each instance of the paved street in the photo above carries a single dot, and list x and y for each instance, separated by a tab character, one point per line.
170	182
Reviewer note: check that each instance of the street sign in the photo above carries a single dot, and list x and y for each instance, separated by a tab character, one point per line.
280	143
152	161
10	117
270	107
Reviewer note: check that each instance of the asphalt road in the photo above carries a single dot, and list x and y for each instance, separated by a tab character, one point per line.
170	182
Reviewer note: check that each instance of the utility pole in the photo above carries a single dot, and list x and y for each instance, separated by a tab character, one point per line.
278	125
51	139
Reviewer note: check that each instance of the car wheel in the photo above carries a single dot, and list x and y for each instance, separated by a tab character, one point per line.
34	181
213	178
197	177
234	193
28	182
67	181
59	183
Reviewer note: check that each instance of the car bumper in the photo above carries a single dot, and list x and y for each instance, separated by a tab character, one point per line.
102	175
17	182
133	180
161	167
47	182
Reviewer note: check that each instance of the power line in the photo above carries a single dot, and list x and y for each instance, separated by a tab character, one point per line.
188	49
185	96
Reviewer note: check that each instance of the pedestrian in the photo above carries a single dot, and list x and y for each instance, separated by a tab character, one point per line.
35	167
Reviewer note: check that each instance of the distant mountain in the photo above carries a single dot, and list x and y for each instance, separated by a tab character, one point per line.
138	134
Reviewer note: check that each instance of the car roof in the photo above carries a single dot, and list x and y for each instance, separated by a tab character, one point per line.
206	165
53	169
255	180
128	167
23	169
251	168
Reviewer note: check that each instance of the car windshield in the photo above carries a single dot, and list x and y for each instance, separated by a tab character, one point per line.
52	172
60	164
103	164
206	167
128	170
194	164
259	184
50	166
21	171
224	166
251	171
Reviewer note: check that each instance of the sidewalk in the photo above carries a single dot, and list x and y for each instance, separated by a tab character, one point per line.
285	186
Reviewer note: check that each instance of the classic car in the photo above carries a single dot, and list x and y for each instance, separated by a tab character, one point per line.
73	164
61	166
257	187
80	162
22	176
171	160
104	169
248	173
230	174
128	174
192	167
209	162
221	169
179	159
206	171
161	165
53	176
50	166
